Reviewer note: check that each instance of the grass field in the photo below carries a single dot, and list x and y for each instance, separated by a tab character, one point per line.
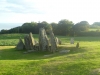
82	61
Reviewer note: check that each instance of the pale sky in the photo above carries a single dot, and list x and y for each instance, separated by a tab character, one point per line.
21	11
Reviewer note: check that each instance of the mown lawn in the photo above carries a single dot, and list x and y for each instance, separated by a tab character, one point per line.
82	61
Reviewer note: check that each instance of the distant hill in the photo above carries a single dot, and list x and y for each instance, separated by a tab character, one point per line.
9	25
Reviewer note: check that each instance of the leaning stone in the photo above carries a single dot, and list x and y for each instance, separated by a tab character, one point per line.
20	45
64	51
31	41
57	41
53	42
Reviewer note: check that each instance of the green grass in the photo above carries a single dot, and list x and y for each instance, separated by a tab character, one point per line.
82	61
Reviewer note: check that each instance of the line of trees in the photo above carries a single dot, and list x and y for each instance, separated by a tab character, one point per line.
63	27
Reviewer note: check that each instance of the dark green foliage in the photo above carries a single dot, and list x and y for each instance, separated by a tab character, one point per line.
81	26
63	27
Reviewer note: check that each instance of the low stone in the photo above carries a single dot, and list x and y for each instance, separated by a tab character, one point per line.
47	55
64	51
72	41
25	52
30	51
20	45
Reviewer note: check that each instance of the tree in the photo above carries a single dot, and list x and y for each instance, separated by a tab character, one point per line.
45	25
81	26
64	27
96	24
29	27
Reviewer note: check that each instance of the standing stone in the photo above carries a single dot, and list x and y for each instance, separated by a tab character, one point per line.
58	42
36	42
31	41
20	45
77	45
27	42
43	40
47	43
72	41
53	42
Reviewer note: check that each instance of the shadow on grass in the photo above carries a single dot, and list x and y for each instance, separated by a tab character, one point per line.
13	54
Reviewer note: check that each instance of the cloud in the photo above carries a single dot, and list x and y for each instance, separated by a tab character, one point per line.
16	6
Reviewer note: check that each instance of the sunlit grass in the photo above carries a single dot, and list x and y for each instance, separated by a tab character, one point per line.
84	60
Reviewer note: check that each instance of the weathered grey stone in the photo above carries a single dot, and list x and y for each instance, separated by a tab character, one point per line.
72	41
64	51
53	42
58	42
36	43
47	55
27	42
47	42
20	45
31	41
30	51
43	40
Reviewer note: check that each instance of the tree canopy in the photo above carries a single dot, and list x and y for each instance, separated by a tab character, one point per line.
63	27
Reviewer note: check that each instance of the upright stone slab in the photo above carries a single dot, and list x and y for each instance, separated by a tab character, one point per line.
53	42
72	41
20	45
27	42
43	40
47	43
58	42
31	41
41	37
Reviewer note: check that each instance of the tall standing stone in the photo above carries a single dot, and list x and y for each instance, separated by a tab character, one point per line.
43	40
53	42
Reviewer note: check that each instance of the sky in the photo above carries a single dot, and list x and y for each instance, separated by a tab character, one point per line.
21	11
